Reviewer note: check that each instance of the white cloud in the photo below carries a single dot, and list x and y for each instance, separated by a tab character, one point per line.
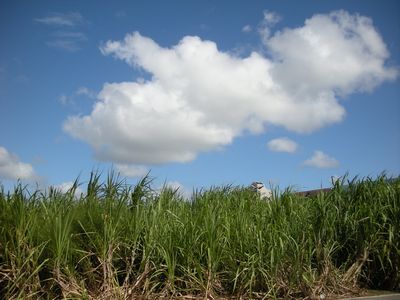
321	160
68	41
200	98
271	17
71	99
63	99
247	28
12	168
62	19
80	36
337	53
86	92
175	185
120	14
67	100
282	145
269	21
131	170
179	187
66	186
67	45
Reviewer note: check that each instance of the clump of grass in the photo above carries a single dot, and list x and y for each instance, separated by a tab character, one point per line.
118	241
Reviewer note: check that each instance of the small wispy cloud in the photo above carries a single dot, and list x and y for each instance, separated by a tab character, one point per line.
247	29
84	91
22	78
68	41
66	45
64	99
120	14
269	20
321	160
72	99
68	38
80	36
282	145
69	19
13	72
204	27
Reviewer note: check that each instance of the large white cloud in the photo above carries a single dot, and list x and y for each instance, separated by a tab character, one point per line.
12	168
200	98
339	53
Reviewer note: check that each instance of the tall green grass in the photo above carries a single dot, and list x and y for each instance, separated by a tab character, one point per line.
118	241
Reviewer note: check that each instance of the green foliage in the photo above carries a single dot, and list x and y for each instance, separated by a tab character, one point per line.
117	241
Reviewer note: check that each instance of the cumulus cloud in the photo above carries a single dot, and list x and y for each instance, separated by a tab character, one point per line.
200	98
131	170
12	168
337	53
282	145
321	160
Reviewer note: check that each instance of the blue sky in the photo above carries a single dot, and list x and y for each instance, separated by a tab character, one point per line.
201	93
